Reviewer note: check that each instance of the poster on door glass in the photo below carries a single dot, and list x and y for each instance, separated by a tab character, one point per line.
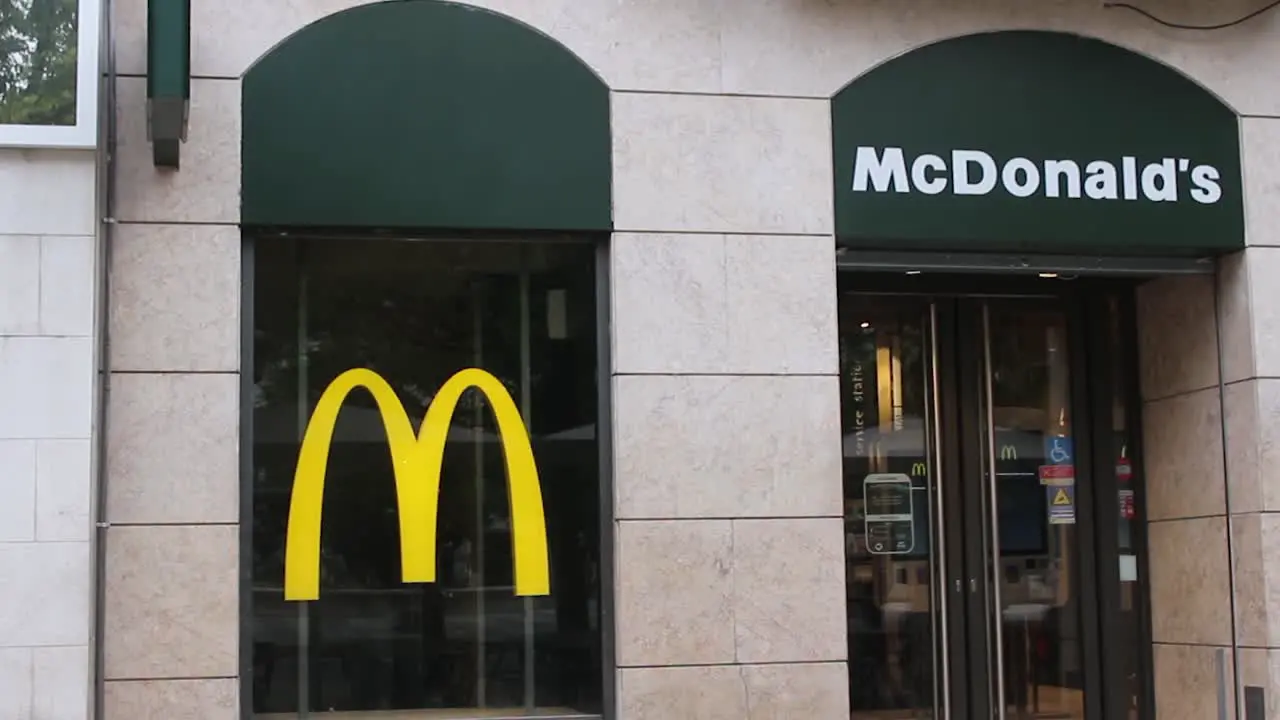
48	72
888	518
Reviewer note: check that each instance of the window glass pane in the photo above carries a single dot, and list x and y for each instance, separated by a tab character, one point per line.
416	313
38	62
889	475
1041	595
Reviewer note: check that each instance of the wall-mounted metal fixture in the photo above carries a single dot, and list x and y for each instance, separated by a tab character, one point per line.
168	78
1255	703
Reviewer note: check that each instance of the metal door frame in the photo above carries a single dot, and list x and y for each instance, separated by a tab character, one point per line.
978	481
958	341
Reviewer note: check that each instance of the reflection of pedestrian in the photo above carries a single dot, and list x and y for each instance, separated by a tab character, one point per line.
462	562
432	644
917	659
458	563
1051	574
867	649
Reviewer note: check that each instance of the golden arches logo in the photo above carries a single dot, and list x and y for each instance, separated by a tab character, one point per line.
919	469
1008	452
416	461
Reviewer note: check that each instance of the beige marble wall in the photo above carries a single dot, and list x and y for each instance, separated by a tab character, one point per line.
1186	495
1250	317
1212	478
730	583
730	580
172	622
773	48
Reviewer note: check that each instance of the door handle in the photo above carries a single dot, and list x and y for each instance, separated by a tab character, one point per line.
995	605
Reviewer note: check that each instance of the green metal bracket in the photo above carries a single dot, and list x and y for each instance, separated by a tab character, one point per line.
168	78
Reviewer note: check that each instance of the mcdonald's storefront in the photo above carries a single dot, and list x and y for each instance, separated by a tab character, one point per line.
649	361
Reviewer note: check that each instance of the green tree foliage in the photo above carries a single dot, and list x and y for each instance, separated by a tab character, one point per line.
38	62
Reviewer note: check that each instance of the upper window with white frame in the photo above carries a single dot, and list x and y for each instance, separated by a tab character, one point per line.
48	72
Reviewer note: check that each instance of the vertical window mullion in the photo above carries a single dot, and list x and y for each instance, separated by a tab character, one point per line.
1131	398
1103	387
526	411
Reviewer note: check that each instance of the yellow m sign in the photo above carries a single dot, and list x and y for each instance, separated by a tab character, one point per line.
1008	452
417	464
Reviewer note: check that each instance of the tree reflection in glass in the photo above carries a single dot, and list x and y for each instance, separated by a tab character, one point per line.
38	62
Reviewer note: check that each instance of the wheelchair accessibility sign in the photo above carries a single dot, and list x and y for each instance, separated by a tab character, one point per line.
1057	450
1058	470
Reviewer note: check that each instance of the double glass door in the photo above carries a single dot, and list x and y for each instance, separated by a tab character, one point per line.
985	509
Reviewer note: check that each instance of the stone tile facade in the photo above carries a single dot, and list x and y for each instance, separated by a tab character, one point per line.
730	544
48	336
171	614
723	171
1190	556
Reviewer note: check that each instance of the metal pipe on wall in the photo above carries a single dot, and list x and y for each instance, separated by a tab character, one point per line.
105	166
1226	490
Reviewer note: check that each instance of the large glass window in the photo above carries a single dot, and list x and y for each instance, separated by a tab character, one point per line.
38	62
889	481
48	71
416	313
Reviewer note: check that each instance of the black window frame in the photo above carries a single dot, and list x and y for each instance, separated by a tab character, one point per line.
249	239
1093	391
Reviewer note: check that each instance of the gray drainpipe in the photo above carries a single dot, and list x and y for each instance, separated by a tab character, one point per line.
106	211
1219	656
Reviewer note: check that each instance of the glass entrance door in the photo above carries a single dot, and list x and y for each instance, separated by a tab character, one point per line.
971	491
893	553
1027	534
